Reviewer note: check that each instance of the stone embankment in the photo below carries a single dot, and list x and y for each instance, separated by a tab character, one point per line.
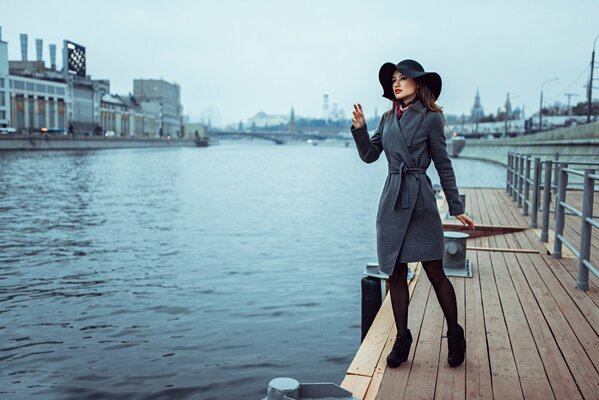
572	144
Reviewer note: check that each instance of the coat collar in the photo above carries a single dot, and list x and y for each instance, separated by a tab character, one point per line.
410	122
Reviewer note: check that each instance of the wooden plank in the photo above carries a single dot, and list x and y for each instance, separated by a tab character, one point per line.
395	380
478	373
424	366
356	384
533	379
502	249
451	382
506	382
560	378
583	331
580	366
550	243
367	357
571	266
588	308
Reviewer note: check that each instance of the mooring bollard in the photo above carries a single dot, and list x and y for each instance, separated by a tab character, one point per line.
374	285
290	389
454	256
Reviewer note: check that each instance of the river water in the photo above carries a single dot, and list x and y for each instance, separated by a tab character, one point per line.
189	273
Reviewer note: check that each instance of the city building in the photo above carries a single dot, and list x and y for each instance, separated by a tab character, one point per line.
262	120
161	98
4	85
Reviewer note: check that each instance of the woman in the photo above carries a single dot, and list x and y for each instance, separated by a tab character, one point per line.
409	228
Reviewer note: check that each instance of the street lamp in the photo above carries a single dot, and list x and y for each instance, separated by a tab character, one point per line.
541	106
589	106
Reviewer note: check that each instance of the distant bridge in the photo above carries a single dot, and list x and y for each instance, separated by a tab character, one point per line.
276	137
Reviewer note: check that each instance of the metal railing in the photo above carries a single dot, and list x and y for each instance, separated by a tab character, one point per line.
555	180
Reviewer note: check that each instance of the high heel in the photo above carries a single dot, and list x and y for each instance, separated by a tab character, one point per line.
456	346
401	349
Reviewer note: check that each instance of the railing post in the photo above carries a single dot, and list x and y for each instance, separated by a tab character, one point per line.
546	201
509	173
521	180
562	183
536	186
556	174
515	177
526	186
582	282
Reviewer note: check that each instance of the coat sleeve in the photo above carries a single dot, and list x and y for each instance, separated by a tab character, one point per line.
369	148
438	152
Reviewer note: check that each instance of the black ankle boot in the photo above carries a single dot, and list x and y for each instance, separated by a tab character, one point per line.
456	345
400	351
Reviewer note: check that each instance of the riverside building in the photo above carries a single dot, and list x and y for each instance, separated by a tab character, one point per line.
4	84
158	97
36	98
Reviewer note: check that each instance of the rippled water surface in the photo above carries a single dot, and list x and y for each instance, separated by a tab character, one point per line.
192	273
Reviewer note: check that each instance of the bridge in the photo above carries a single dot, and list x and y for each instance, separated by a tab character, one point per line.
278	137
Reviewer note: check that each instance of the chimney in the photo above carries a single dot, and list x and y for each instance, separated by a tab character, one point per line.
23	46
53	56
39	47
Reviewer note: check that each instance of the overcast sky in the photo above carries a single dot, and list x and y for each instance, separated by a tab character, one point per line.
234	58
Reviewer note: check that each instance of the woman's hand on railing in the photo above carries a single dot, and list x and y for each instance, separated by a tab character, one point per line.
358	120
465	220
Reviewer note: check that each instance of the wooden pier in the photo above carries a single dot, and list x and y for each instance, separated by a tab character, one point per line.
530	334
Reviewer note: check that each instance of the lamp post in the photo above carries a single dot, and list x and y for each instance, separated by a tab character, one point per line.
541	105
590	92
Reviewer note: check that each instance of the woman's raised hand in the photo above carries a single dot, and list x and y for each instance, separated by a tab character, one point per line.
358	120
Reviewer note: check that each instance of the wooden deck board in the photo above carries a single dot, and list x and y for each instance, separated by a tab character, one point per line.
530	333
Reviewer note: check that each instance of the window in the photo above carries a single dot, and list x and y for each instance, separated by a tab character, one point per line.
40	88
1	82
60	91
2	114
50	89
30	86
19	85
2	101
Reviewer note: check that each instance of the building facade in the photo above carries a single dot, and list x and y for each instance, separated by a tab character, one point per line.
4	85
163	99
37	103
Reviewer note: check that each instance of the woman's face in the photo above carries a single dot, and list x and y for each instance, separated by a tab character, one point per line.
404	88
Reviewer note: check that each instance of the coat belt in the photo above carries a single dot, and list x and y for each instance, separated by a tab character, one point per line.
404	192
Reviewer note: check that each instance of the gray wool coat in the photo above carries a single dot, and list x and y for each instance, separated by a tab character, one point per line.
408	223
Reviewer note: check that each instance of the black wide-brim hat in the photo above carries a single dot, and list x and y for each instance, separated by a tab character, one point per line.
411	69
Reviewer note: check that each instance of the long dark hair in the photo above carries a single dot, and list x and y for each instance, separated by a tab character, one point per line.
424	94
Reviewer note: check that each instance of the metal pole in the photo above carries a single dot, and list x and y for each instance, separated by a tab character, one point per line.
509	172
582	282
515	177
559	210
555	174
536	185
590	91
541	112
526	186
546	201
541	105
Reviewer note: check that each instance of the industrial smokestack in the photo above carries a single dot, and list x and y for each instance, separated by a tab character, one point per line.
39	48
53	56
23	46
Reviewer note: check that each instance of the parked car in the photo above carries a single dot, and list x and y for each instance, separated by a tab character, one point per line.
5	131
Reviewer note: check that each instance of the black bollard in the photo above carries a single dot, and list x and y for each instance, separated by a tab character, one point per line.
371	302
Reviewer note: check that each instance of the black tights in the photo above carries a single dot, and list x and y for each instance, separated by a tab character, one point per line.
443	288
